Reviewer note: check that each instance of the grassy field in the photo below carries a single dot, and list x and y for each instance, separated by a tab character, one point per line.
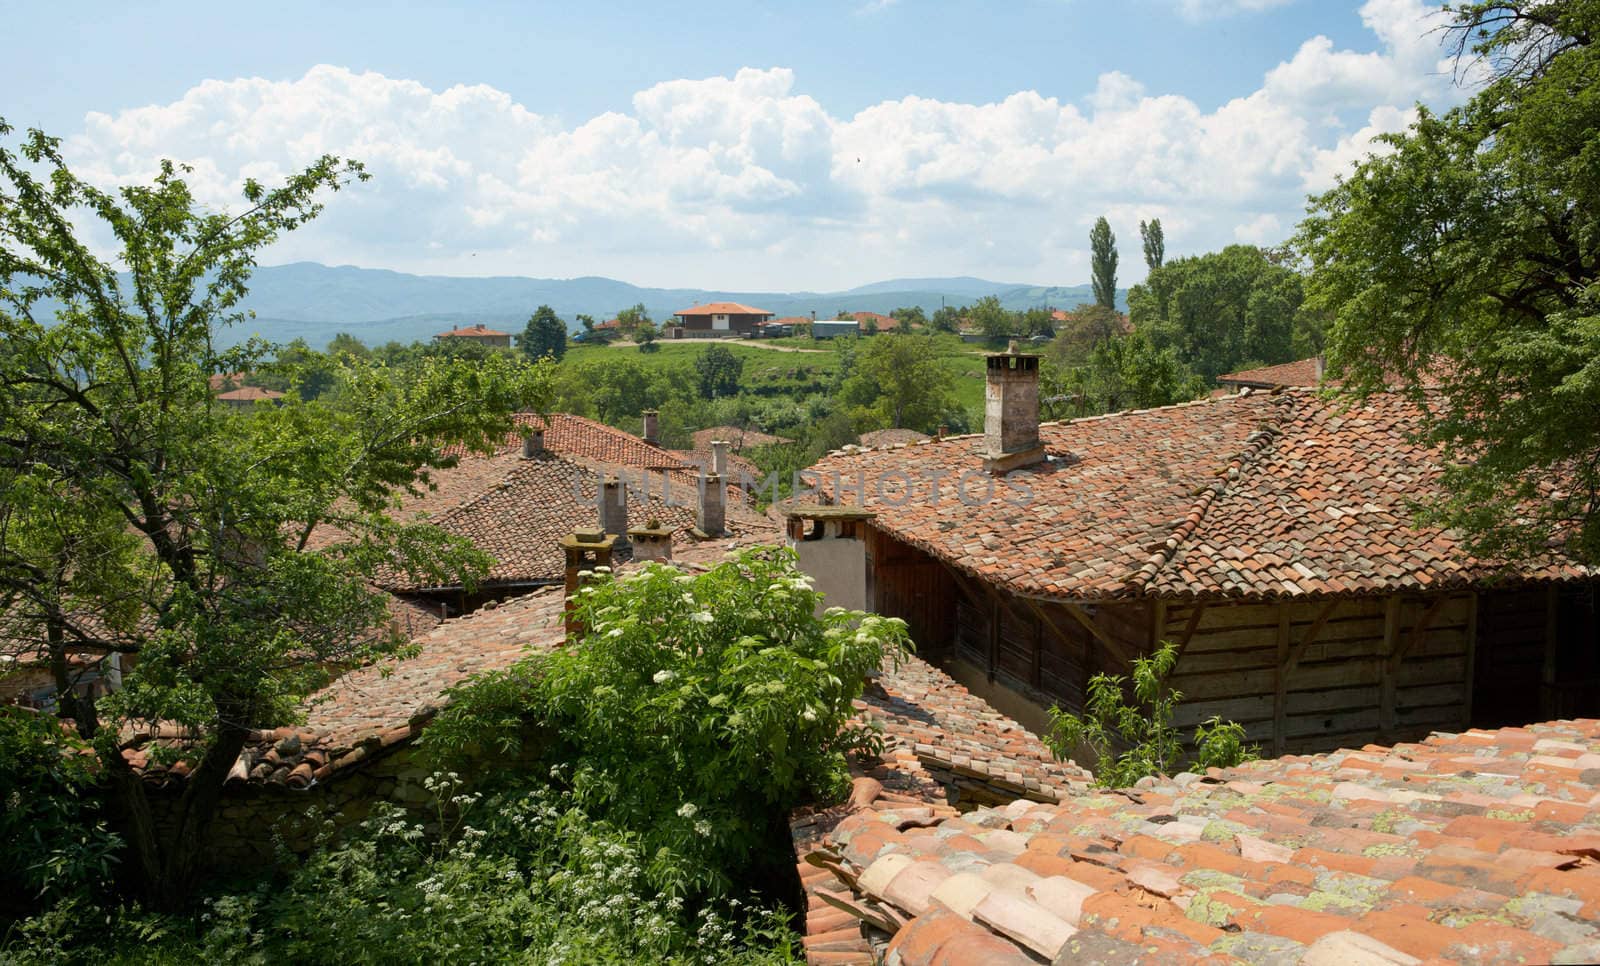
766	366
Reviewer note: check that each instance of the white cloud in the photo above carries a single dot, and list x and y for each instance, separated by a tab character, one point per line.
747	182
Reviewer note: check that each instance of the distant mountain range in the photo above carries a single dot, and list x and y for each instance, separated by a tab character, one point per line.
314	302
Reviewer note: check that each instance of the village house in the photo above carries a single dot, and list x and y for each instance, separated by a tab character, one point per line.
720	318
1268	536
245	397
1302	373
479	333
835	328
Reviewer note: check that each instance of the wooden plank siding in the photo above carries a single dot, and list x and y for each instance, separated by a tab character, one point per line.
1042	651
1238	659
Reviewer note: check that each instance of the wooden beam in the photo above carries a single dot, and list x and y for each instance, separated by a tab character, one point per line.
1158	626
1549	674
994	637
1472	659
1189	628
1116	648
1289	656
1417	632
1386	667
1280	698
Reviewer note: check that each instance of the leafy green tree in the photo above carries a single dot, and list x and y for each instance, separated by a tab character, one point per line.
633	318
869	324
946	319
1132	741
1468	254
900	378
1223	311
645	335
544	335
1155	243
697	710
589	334
1122	372
908	318
300	369
143	518
1085	327
992	319
347	343
719	370
1103	263
1036	322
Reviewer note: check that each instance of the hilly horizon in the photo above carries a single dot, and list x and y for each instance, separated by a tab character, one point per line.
312	301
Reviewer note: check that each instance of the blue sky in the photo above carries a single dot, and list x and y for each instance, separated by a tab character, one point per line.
749	145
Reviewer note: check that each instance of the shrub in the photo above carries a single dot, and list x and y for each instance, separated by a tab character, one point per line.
1143	731
698	709
56	842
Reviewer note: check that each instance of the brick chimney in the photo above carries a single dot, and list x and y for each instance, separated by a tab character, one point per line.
533	444
652	433
712	518
719	457
1011	412
614	509
585	550
652	542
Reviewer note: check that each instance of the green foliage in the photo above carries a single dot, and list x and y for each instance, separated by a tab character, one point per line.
633	318
521	875
695	709
900	380
1103	263
1468	254
1121	372
1224	310
545	335
991	318
56	844
719	371
1132	741
946	319
106	414
1155	243
907	318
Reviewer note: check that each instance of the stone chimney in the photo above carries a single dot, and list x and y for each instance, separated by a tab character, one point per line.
653	542
1322	367
943	431
585	550
614	509
830	542
1011	412
533	444
719	457
712	518
652	431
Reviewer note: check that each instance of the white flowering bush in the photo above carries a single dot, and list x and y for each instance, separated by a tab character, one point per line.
695	712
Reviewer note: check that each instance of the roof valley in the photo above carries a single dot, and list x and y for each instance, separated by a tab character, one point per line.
1256	446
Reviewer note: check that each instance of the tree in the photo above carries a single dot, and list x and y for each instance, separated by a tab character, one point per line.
645	335
1155	243
869	325
1122	372
946	319
992	319
544	335
143	518
1084	327
345	342
630	319
1468	256
1103	263
588	335
1223	311
908	318
900	379
719	371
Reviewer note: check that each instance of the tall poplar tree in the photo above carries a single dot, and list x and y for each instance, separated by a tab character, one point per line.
1103	263
1155	243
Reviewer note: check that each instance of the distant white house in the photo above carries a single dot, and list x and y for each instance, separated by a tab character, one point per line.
834	328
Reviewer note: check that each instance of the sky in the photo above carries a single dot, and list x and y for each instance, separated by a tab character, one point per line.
756	145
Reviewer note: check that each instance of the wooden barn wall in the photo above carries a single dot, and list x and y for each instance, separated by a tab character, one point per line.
1318	675
908	584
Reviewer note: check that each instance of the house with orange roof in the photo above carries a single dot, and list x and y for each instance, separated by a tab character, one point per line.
1269	536
721	318
245	397
479	333
1301	373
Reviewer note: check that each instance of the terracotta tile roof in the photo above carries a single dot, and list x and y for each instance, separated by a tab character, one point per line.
1301	373
470	330
1253	495
518	517
884	321
374	709
738	439
893	437
1477	847
249	394
585	439
791	320
220	379
722	308
739	468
